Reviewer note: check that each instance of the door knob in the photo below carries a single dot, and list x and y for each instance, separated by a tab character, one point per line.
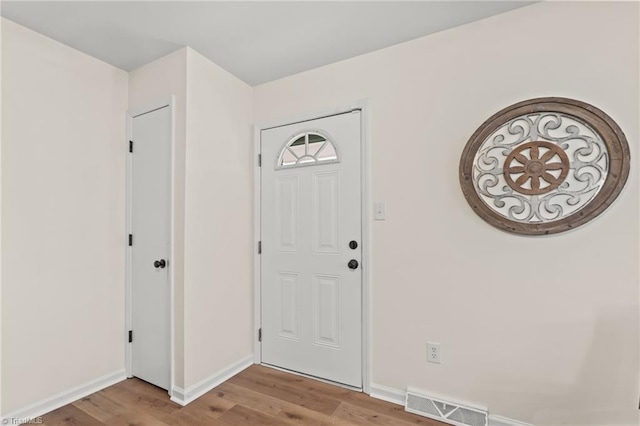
353	264
353	244
160	263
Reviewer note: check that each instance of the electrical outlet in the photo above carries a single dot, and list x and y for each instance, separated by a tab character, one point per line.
433	352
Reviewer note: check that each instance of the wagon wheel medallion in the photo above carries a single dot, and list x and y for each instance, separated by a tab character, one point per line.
536	174
544	165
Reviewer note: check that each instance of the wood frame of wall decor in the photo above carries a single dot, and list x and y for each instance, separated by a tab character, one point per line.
611	134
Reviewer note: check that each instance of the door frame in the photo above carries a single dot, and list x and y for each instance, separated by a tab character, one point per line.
131	114
366	203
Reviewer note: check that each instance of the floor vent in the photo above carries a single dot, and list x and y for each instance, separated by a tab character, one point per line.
445	411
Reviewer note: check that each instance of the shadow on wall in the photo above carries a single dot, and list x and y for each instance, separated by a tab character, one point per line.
574	397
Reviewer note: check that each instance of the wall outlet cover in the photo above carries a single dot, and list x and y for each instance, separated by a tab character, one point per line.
433	352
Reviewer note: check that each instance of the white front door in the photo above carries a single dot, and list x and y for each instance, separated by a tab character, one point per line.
150	246
311	258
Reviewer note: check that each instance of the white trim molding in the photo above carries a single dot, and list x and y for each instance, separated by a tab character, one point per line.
503	421
397	396
186	396
30	412
367	265
388	394
257	265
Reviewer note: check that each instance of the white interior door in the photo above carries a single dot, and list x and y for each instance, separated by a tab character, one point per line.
150	250
311	259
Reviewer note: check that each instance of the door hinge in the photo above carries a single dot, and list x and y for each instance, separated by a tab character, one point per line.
260	334
130	239
130	336
259	160
259	247
130	146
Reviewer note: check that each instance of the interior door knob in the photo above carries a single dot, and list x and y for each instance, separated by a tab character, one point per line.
353	264
160	263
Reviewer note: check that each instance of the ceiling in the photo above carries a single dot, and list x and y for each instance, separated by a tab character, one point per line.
256	41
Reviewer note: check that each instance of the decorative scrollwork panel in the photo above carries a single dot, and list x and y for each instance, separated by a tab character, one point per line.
544	166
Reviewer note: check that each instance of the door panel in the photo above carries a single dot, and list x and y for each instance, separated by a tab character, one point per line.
151	229
326	310
286	215
326	212
311	299
289	288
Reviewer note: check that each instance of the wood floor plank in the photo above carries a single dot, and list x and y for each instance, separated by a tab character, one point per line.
304	417
258	396
290	393
143	397
363	400
203	411
194	416
278	376
355	415
69	415
249	398
99	406
242	416
274	406
355	398
136	385
135	417
211	404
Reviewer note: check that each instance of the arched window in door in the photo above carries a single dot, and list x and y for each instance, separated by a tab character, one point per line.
307	149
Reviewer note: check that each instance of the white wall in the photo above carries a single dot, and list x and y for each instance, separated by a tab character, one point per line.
544	330
218	220
156	82
63	162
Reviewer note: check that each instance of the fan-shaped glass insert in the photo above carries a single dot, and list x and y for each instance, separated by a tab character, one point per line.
307	149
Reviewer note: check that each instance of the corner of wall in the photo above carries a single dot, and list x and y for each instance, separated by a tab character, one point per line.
186	396
217	283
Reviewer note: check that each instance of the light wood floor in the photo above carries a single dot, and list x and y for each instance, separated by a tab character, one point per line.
257	396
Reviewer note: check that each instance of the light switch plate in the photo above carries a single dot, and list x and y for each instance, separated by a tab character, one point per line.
379	211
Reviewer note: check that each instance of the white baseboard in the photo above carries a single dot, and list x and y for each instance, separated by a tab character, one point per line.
503	421
397	396
56	401
177	396
184	397
388	394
